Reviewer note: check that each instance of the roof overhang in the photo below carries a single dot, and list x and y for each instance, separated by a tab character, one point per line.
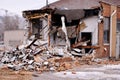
33	14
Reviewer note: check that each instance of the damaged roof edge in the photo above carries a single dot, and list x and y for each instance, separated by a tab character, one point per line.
105	2
73	16
48	10
37	11
29	13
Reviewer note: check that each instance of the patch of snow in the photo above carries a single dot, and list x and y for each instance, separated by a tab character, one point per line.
112	66
86	75
92	73
105	67
78	74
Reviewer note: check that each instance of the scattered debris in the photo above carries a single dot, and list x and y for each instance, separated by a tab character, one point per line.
40	58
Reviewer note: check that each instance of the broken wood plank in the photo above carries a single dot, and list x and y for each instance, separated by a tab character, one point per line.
80	44
31	43
94	47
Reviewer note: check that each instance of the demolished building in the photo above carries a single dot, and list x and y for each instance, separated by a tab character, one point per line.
59	39
86	28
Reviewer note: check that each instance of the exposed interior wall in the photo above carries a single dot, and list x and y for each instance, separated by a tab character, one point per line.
92	26
45	31
36	27
58	36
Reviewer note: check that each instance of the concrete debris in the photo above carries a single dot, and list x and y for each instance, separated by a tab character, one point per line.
77	50
46	63
30	67
41	58
10	66
77	54
52	69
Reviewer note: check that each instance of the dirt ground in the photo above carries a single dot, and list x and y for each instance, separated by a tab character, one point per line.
104	70
7	74
109	70
88	72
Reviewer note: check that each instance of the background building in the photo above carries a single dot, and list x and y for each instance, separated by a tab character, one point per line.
14	38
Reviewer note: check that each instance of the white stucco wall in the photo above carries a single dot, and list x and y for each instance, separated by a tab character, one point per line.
92	26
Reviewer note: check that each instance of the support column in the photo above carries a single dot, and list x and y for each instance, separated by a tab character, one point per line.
49	25
113	25
101	39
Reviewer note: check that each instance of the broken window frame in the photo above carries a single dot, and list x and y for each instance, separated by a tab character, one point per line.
118	25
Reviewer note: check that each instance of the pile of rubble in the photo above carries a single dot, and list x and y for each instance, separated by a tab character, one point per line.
40	58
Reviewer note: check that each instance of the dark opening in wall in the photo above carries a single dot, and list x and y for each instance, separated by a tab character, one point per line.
37	26
85	36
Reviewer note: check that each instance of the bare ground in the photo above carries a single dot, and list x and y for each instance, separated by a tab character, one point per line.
7	74
105	70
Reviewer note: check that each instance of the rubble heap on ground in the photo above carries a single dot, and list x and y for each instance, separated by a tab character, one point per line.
34	57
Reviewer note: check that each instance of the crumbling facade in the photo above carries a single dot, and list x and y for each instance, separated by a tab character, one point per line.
60	39
91	29
111	12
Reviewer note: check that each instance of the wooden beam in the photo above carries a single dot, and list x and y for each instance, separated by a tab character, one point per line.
30	29
49	25
93	47
113	24
36	17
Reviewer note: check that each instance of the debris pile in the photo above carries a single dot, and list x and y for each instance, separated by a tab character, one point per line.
29	59
35	57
